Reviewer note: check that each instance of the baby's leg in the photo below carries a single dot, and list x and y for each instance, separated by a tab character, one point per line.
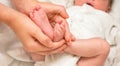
95	59
40	18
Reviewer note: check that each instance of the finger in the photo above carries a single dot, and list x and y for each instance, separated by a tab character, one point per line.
42	38
45	41
58	44
53	51
58	50
62	12
67	33
72	37
34	46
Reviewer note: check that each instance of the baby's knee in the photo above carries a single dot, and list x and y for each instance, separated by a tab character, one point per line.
105	47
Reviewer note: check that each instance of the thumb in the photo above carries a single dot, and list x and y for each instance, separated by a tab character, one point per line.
62	12
46	41
42	38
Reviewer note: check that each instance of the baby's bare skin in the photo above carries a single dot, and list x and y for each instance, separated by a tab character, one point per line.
40	18
56	33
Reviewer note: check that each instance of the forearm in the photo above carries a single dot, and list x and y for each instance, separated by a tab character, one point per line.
10	16
7	14
24	6
86	47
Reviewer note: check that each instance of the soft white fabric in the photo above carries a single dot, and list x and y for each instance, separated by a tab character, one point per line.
115	10
8	42
85	22
91	23
65	3
114	56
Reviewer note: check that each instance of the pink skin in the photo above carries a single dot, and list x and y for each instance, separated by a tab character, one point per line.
97	4
59	31
40	18
101	5
56	34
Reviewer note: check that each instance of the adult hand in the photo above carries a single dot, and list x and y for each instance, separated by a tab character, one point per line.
29	34
57	13
32	37
53	10
49	8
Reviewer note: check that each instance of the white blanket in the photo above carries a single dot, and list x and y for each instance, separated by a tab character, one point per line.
65	3
85	22
97	24
91	23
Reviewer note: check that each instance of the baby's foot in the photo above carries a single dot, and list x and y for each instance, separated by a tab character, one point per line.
39	16
59	31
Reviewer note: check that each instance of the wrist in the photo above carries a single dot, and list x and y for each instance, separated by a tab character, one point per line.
24	7
8	15
15	20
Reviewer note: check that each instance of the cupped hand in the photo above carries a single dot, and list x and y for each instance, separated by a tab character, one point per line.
31	36
57	13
